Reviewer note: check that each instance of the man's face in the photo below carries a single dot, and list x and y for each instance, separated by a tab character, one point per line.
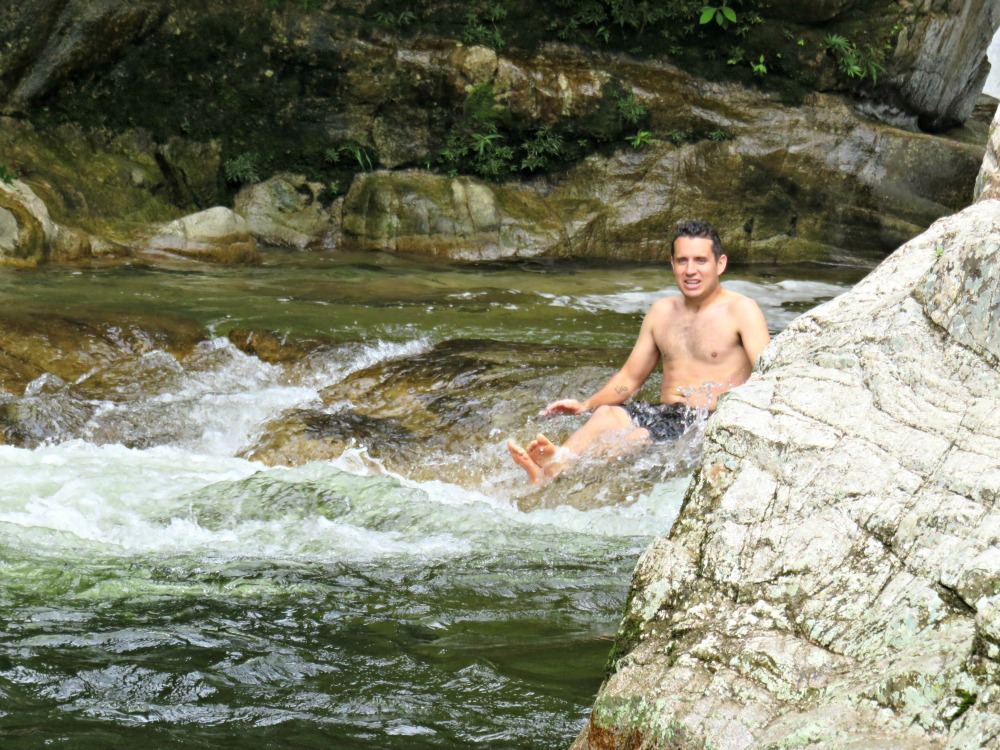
695	267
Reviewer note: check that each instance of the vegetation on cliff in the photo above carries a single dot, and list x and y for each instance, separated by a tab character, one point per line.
276	81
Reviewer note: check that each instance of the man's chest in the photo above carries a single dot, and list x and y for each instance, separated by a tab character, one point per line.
705	338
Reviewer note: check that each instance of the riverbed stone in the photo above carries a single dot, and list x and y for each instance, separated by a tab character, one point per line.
218	235
832	579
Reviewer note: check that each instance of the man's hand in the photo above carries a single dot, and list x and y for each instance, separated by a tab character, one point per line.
564	406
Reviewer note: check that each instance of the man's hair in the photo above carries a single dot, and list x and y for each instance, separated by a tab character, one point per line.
698	229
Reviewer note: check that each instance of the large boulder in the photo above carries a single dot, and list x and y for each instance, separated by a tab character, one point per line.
288	211
218	235
833	579
939	66
28	235
458	218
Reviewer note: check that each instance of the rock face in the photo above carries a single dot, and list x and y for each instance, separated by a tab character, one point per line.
833	579
458	218
815	182
939	66
52	40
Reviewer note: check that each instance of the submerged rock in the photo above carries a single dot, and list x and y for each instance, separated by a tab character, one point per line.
834	575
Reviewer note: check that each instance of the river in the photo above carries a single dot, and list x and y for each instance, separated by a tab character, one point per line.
330	548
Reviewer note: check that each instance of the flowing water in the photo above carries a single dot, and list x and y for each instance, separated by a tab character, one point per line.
165	580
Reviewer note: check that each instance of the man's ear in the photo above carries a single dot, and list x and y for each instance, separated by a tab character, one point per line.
723	260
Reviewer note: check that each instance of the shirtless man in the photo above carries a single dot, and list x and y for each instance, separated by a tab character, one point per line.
707	339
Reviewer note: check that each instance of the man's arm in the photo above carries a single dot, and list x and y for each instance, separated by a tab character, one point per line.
752	329
637	368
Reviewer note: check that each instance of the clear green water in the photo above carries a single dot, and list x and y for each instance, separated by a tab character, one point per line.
177	595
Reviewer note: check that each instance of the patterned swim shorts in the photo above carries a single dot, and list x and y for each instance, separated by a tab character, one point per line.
664	421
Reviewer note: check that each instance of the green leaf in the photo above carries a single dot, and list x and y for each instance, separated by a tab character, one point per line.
729	13
707	14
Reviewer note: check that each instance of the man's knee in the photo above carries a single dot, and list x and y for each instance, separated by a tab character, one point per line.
611	416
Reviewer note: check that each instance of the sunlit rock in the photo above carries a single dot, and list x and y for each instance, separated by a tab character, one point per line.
988	181
218	235
938	66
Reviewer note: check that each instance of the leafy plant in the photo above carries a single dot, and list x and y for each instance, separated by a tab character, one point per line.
629	108
537	151
361	154
481	24
722	14
852	60
719	135
400	20
759	68
641	139
242	169
7	175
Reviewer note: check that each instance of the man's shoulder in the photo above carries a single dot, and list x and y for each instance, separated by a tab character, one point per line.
666	307
670	302
737	300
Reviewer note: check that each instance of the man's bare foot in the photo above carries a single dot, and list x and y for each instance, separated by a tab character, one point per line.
542	450
535	472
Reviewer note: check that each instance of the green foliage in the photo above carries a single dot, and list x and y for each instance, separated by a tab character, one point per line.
641	139
242	169
364	156
629	108
395	20
852	60
719	135
679	136
546	145
7	175
721	14
482	24
759	68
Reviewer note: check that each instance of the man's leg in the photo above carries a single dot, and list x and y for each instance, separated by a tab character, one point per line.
540	460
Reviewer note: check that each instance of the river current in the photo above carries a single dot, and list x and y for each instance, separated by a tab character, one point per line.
173	574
